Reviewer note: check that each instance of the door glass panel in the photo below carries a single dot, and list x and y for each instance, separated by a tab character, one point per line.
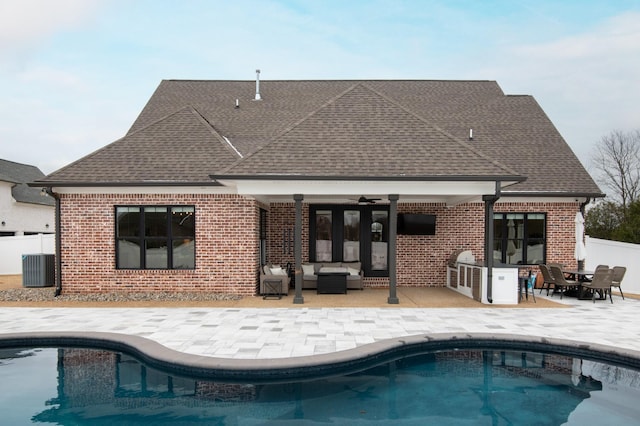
379	239
351	246
323	236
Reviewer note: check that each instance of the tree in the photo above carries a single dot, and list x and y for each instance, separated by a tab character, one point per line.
629	230
602	220
617	161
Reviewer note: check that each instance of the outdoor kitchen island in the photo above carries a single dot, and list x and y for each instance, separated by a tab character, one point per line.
467	277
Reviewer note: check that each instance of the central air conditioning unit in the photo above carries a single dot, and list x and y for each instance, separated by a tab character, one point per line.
38	270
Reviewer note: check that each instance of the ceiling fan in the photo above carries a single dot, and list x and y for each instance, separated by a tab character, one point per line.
365	200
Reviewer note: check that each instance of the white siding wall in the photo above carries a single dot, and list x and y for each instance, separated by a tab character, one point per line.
614	253
24	217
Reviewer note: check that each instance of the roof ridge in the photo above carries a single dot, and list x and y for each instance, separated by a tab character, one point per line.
444	132
354	80
188	108
222	139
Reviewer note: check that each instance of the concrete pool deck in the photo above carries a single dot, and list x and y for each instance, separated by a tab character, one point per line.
282	333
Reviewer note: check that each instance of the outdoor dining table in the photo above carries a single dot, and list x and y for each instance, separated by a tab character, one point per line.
580	276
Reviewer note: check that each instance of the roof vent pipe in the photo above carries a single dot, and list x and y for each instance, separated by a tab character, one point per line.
470	134
257	98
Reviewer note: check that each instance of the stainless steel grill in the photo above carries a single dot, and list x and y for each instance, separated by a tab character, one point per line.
461	256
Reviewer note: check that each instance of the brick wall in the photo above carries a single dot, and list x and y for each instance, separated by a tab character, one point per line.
422	259
227	232
226	245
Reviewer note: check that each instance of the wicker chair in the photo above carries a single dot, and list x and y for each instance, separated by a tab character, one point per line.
618	275
547	278
561	283
601	283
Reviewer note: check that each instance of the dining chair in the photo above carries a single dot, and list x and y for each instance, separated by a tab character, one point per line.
561	283
601	282
547	278
618	275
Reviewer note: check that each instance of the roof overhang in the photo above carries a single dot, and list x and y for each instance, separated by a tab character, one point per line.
448	190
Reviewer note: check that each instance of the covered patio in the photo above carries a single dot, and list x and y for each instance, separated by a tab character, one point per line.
391	193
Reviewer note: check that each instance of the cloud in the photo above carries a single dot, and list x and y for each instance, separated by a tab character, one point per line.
584	81
29	23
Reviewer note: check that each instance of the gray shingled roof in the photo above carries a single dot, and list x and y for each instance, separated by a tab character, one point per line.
377	128
20	175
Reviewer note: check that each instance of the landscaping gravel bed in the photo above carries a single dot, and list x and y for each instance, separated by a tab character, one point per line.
46	294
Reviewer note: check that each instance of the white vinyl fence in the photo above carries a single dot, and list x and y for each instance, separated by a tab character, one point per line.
12	249
599	252
615	253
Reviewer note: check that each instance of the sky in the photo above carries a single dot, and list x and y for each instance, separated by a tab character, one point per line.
74	74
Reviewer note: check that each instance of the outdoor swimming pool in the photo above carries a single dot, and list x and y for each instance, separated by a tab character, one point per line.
469	386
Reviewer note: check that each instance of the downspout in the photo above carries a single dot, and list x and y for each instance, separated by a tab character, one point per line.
489	200
58	241
298	299
583	205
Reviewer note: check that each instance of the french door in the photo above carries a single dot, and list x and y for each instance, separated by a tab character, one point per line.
350	234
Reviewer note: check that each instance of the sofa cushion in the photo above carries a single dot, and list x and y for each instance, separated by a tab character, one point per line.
329	265
353	272
355	265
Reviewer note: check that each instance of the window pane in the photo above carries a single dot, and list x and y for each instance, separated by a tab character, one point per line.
351	229
128	254
155	222
183	222
128	221
497	225
497	250
535	251
379	240
156	254
535	226
184	254
323	236
515	236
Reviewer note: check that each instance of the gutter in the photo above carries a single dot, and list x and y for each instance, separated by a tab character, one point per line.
58	241
435	178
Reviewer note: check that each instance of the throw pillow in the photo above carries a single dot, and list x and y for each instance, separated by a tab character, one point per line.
278	271
308	270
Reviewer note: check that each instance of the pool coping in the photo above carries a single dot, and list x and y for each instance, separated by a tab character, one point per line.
310	367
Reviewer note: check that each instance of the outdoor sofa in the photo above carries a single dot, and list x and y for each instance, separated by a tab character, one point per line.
310	273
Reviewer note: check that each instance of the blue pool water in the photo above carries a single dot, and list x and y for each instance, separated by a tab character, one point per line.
75	386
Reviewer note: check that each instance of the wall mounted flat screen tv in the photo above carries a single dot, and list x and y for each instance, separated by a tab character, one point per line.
416	224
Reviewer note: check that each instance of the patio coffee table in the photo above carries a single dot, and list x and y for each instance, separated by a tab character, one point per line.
332	280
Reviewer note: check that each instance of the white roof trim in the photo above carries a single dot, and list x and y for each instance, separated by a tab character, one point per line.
349	187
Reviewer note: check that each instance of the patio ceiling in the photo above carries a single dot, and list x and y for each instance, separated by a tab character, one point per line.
449	192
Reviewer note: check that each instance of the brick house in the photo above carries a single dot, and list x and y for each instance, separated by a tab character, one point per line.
216	178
